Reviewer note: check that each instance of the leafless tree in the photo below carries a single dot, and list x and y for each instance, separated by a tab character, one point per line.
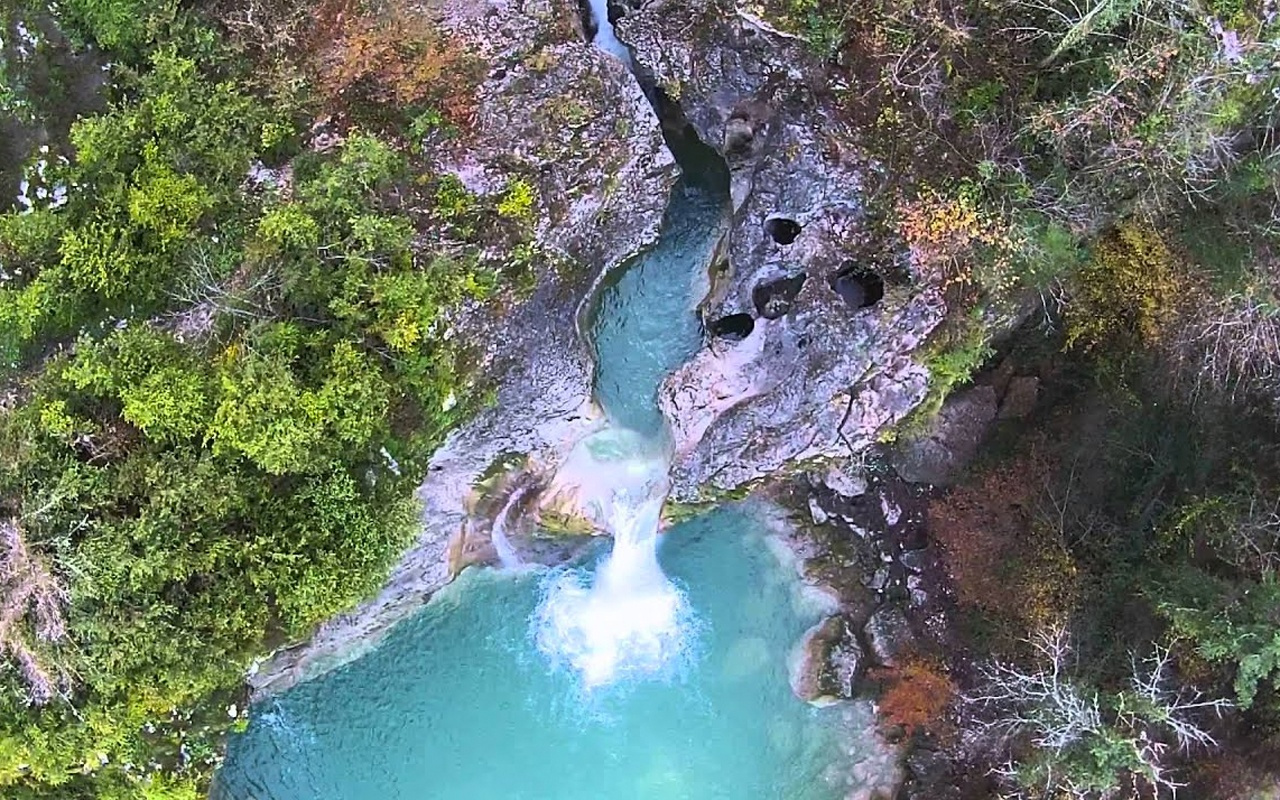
32	602
1055	710
1163	704
1231	345
1044	703
246	295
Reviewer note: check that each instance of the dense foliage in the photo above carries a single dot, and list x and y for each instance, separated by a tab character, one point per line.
224	361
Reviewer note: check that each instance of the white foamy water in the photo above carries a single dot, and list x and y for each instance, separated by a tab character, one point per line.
629	619
605	38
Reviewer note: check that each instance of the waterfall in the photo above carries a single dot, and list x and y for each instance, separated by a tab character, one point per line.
629	619
507	555
605	39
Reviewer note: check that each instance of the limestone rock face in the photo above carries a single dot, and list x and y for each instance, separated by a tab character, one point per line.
572	121
807	372
569	118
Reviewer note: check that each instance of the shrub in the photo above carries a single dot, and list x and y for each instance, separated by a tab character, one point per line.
997	549
453	201
517	201
1231	623
948	234
126	26
266	414
1129	290
23	313
916	695
99	258
823	24
161	389
400	59
289	226
29	239
1047	252
954	353
1229	344
166	205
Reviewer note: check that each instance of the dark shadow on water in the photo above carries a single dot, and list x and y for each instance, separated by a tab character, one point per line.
59	81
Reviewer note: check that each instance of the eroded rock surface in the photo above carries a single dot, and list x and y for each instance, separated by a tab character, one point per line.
812	375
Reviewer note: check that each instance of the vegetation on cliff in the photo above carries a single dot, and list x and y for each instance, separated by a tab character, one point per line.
1117	163
226	350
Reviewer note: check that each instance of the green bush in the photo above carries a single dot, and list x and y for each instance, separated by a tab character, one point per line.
1127	292
126	26
1227	622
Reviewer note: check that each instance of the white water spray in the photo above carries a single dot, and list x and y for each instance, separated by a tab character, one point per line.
507	555
605	38
631	620
628	620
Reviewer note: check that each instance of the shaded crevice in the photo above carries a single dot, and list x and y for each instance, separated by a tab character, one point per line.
587	21
782	230
701	163
857	286
734	327
773	299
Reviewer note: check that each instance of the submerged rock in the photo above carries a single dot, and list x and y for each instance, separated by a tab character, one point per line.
812	375
571	121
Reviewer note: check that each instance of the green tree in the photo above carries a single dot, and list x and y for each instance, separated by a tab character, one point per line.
265	413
